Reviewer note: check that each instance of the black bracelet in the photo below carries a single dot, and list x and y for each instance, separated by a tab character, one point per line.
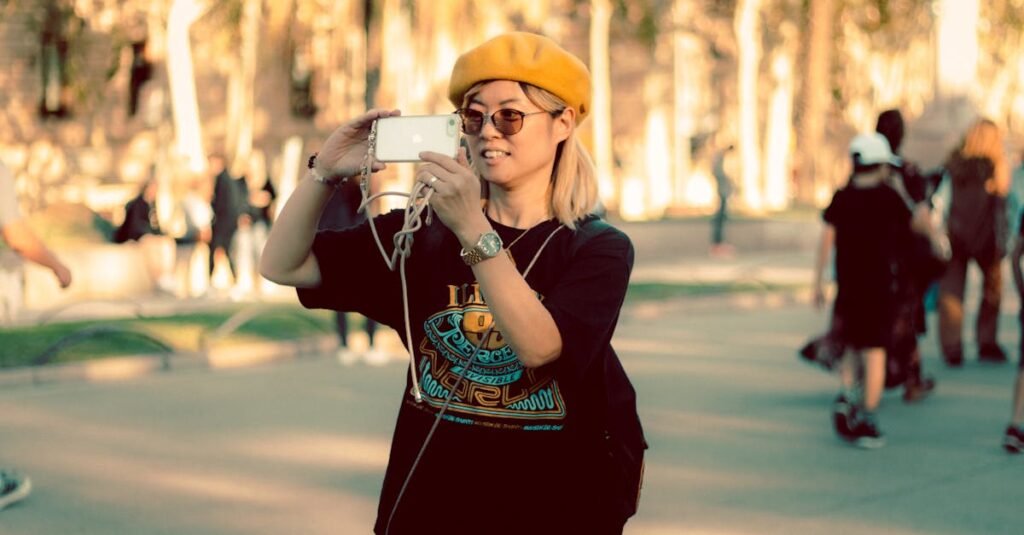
333	180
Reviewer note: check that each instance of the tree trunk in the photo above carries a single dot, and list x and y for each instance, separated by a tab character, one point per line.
816	96
748	36
243	83
779	132
601	112
690	78
187	127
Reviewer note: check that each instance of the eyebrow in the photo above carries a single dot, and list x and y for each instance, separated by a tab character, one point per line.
476	100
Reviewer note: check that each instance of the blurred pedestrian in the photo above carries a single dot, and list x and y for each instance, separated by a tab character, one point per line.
869	224
916	272
19	243
193	217
514	292
724	189
980	180
142	226
262	197
226	214
1013	438
342	212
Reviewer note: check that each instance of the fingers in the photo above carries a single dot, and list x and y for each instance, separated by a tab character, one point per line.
378	113
427	178
446	162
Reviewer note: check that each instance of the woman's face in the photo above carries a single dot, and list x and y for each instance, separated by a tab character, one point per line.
513	160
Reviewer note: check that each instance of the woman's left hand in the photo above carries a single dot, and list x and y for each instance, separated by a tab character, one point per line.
456	197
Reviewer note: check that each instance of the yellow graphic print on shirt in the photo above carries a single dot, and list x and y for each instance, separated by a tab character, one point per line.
498	391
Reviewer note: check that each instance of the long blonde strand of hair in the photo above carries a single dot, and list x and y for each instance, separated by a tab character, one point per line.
985	140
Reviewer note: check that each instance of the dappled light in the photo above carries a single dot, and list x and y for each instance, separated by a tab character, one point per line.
158	383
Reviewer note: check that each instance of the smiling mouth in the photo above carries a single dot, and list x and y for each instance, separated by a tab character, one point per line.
491	154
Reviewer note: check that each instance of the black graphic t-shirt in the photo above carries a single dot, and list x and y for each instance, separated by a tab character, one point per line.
516	445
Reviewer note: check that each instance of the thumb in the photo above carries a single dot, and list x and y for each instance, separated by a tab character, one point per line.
462	158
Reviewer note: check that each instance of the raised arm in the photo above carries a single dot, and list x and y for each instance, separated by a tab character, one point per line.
287	257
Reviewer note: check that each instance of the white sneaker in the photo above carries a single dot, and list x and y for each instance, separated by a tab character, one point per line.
376	357
347	357
13	488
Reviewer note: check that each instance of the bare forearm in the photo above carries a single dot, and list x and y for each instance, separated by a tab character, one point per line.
287	256
27	244
524	322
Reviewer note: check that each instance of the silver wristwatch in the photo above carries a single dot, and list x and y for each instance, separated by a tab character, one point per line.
488	246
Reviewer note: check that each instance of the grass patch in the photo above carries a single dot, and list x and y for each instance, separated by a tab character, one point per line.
19	346
660	291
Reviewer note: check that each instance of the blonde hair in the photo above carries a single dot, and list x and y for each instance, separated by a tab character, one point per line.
984	140
573	188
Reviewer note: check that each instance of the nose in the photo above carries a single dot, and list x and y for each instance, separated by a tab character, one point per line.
488	130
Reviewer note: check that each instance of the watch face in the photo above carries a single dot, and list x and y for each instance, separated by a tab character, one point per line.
489	244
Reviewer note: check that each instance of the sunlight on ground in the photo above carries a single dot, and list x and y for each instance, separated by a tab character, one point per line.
701	424
334	451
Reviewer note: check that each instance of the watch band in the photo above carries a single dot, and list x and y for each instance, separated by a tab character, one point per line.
480	252
472	257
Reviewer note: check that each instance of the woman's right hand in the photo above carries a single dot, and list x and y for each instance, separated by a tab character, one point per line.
344	151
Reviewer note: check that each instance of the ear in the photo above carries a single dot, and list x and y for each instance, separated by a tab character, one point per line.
564	123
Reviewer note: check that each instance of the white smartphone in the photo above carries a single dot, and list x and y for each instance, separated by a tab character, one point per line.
403	138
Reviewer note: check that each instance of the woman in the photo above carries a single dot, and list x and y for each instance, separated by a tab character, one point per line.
980	180
542	435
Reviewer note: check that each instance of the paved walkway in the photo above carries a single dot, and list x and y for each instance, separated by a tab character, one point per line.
739	430
738	427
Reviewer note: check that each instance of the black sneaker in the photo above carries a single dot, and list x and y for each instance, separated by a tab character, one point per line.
864	431
841	409
991	353
13	488
1013	440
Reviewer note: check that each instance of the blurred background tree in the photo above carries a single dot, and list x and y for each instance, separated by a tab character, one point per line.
97	93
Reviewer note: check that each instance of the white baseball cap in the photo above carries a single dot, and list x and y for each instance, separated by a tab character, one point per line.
873	149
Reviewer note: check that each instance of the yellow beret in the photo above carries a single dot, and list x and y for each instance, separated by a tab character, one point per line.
524	57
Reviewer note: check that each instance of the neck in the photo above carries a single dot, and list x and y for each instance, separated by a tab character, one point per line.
521	207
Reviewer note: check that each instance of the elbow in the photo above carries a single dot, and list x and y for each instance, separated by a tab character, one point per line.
536	359
269	272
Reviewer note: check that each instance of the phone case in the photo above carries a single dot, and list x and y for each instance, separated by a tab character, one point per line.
401	139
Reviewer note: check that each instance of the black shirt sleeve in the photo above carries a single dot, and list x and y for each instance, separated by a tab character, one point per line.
834	210
353	274
585	302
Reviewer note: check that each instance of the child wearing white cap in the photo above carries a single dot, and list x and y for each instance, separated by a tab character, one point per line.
868	223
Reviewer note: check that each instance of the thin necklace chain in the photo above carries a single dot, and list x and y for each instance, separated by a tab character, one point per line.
509	246
520	236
